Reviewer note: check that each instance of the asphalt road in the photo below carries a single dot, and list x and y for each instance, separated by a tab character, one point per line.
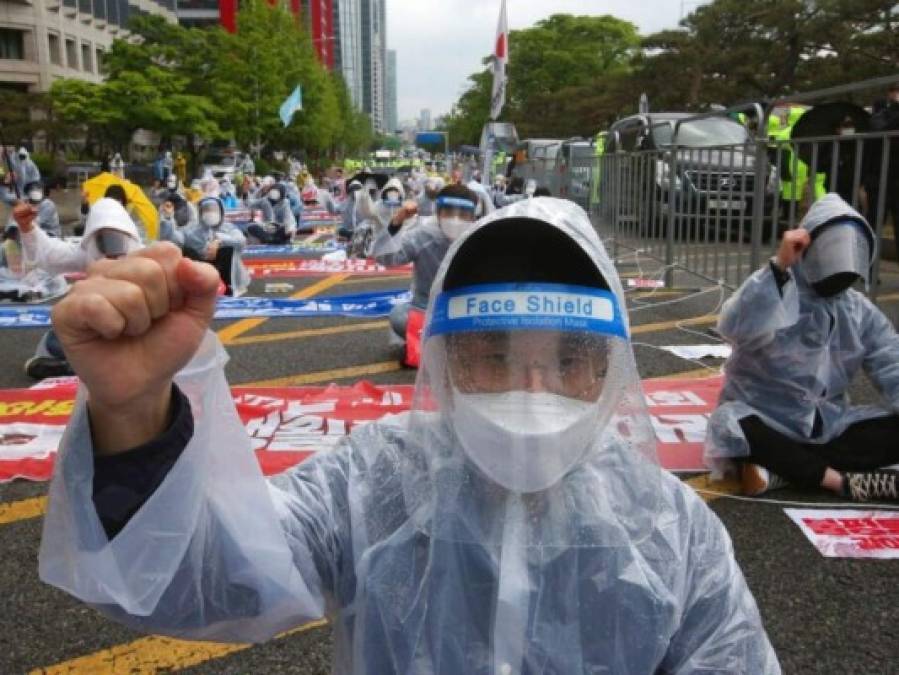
822	615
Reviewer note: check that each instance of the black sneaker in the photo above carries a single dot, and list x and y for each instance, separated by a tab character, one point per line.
42	367
879	484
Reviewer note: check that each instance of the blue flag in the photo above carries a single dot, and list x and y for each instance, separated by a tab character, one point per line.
291	104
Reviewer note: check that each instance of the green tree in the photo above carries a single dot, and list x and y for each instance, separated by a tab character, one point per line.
557	67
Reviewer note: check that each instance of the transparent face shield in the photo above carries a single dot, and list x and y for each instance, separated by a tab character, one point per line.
113	244
840	249
529	393
454	215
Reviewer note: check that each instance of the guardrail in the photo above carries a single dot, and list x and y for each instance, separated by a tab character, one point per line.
718	212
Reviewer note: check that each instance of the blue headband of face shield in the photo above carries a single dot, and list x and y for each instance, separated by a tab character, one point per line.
523	306
455	203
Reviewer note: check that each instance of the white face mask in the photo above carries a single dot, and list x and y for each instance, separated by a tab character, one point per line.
454	227
172	183
274	195
847	131
524	441
35	195
210	218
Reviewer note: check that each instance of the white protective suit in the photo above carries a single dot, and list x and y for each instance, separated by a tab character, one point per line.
796	353
55	256
422	563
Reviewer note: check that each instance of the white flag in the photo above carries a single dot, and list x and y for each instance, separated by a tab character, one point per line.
500	60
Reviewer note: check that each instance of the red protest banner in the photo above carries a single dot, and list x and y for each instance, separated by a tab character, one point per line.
287	424
848	533
279	267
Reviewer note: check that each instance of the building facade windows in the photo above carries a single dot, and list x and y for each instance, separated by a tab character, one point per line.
12	44
71	54
86	57
54	49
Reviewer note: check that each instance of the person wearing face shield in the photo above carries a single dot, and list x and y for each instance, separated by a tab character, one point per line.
423	242
109	233
25	170
47	215
800	334
515	520
218	242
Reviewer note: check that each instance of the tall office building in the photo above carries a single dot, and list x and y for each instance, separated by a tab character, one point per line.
374	61
391	115
46	40
348	45
424	121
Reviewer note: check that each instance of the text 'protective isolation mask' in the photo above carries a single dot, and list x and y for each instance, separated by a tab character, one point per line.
527	365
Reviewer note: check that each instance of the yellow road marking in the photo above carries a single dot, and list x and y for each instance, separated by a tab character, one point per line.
152	655
309	332
688	374
22	509
327	375
730	486
665	325
369	279
240	327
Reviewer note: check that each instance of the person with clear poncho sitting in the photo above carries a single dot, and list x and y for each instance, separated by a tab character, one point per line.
800	334
515	520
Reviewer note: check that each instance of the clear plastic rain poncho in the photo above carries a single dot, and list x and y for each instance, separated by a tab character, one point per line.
515	521
795	352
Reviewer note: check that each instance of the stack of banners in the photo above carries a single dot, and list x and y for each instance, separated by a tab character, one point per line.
286	425
273	267
371	304
850	533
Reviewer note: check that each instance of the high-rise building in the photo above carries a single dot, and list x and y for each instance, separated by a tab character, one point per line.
45	40
374	61
391	115
424	121
319	15
348	45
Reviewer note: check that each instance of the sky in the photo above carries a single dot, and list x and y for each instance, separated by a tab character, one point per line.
439	43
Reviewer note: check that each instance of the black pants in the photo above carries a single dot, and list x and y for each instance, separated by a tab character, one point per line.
865	445
279	236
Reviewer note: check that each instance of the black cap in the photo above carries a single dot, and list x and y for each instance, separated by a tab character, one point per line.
521	250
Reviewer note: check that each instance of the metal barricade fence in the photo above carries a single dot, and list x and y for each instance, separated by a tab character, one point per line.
718	212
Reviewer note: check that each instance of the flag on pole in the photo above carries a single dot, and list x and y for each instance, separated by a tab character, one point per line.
500	60
291	104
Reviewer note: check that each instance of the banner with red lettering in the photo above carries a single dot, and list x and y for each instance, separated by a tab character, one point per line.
287	424
850	533
292	267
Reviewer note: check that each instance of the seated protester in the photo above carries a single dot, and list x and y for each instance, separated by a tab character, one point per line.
516	520
350	217
428	198
47	214
11	251
425	244
216	241
800	334
257	199
109	233
514	192
174	207
390	200
280	225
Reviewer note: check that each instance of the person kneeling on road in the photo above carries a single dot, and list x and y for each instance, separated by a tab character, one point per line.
516	520
109	233
423	243
800	335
